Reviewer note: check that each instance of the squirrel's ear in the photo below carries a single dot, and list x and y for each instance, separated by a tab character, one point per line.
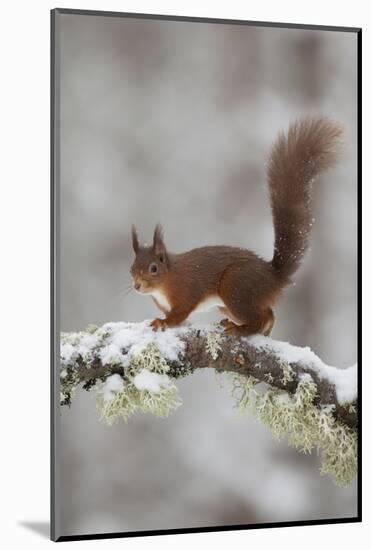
158	240
134	238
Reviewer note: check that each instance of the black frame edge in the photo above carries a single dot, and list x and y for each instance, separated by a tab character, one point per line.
359	267
190	530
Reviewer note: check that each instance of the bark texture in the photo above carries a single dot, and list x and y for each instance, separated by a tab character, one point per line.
239	356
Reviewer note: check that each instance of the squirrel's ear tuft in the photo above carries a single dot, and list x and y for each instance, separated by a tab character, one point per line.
134	238
158	240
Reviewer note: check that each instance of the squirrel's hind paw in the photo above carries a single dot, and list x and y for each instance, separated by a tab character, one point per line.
230	328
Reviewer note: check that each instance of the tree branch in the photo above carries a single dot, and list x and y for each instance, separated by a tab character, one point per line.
288	388
86	359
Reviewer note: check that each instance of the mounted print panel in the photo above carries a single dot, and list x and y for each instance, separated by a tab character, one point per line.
204	188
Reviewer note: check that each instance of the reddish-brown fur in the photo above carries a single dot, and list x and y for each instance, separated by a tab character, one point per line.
247	285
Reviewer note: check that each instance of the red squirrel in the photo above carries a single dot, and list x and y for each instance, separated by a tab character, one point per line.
244	286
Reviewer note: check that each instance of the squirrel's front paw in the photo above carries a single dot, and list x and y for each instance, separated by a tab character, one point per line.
159	324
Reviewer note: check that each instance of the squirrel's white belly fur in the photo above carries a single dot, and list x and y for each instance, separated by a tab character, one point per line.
161	299
209	303
205	305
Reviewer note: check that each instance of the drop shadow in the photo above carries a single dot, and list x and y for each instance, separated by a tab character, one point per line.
42	528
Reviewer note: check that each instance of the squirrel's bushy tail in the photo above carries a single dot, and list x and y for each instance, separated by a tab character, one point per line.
297	158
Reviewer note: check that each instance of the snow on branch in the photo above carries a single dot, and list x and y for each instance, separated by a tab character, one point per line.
288	388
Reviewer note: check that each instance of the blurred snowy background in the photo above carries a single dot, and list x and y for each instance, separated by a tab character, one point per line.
173	122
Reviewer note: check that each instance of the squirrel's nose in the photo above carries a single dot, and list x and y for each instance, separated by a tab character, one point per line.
137	286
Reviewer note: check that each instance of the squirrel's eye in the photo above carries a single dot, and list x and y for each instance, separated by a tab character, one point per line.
153	268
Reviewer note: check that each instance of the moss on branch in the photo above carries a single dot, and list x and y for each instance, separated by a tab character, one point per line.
289	389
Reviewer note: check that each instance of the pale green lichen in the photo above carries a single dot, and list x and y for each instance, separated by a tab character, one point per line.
287	374
293	416
339	457
131	399
305	425
243	389
213	344
68	384
352	408
151	359
123	405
